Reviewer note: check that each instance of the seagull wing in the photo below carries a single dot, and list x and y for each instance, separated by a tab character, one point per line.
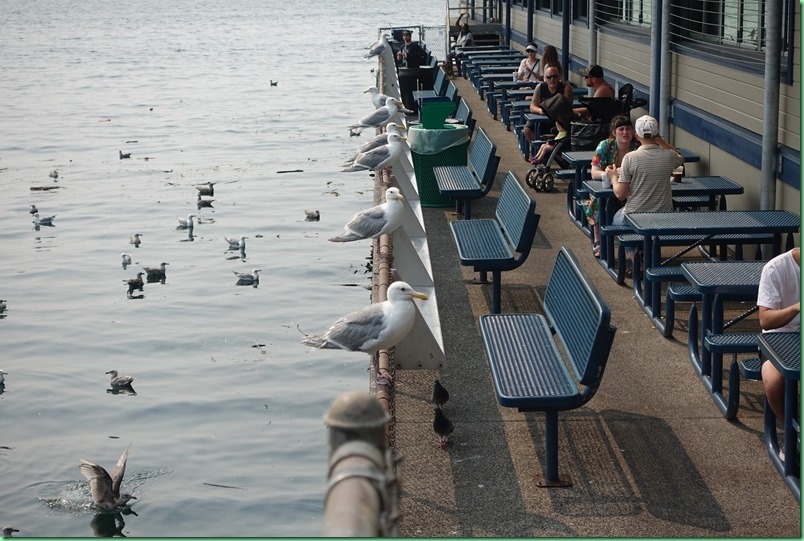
118	472
100	483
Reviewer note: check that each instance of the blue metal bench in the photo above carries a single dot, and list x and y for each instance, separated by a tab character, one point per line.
472	181
463	115
527	367
499	244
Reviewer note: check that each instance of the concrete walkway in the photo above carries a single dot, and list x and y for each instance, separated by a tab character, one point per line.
650	454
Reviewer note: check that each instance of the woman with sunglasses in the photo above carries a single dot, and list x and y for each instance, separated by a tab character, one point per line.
529	67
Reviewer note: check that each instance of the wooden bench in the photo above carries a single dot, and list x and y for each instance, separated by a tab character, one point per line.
527	367
499	244
463	183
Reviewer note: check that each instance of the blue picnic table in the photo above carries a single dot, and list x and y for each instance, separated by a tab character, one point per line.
654	225
783	349
714	187
739	280
581	161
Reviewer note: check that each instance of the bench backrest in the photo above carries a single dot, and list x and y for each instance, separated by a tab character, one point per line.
581	319
516	213
482	159
452	91
440	83
464	114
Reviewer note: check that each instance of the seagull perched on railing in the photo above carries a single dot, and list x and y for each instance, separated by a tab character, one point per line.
379	99
377	158
375	221
375	50
380	117
378	141
378	326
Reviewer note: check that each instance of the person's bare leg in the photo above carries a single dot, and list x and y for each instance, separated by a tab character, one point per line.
773	382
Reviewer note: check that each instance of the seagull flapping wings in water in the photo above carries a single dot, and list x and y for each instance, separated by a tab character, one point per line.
105	486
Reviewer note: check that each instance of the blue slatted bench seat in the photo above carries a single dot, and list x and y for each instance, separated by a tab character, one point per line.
529	371
499	244
472	181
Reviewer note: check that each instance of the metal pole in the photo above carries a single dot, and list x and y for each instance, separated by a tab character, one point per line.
656	61
770	103
664	73
566	19
530	20
592	33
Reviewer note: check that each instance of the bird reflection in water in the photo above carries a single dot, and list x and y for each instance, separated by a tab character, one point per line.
190	236
110	524
128	389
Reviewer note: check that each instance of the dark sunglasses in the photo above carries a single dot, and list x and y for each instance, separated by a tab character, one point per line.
550	76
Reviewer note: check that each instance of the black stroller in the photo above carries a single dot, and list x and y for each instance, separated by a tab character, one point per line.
558	109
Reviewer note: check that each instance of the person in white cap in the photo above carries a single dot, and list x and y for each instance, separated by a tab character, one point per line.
529	67
644	176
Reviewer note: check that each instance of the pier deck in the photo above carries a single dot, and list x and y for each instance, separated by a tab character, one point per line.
650	455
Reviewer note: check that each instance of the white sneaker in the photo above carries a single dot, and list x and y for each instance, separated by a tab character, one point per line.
781	455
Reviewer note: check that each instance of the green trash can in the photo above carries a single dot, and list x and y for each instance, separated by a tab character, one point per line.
433	148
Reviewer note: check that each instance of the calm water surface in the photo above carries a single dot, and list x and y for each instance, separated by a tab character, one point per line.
226	394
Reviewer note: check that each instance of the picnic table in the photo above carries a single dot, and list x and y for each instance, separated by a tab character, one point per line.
740	281
581	161
783	349
654	225
712	186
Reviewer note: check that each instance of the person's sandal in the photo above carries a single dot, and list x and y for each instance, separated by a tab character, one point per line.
596	249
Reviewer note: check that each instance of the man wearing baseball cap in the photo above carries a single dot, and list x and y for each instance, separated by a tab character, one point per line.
593	78
644	176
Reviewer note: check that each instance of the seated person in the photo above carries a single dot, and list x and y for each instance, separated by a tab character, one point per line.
547	147
779	302
529	67
593	78
644	176
465	39
551	86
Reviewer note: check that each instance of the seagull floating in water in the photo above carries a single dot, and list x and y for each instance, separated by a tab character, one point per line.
153	272
274	83
380	157
201	203
237	244
124	155
376	221
125	259
135	239
378	141
377	326
8	531
53	174
3	305
46	220
379	99
208	189
3	377
442	427
245	278
380	117
185	223
134	283
119	381
105	487
312	215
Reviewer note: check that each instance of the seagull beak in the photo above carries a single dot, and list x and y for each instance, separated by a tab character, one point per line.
403	137
422	296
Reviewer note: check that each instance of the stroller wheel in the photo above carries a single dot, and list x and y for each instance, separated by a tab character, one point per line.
539	182
530	178
548	181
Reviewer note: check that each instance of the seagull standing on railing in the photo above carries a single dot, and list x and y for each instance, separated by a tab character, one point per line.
378	141
375	221
380	117
377	158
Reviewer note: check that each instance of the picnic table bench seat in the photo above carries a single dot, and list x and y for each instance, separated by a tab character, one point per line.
528	369
502	243
472	181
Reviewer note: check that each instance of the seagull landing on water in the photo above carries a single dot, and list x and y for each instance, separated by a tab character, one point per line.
105	486
380	157
43	220
378	326
237	244
380	117
244	278
119	381
185	223
376	221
